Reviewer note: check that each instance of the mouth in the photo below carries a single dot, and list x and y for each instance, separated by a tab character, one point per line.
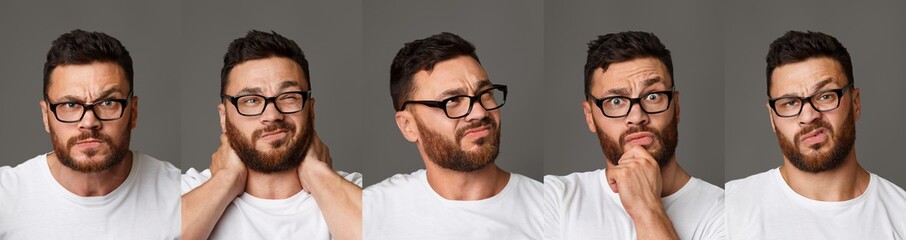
643	139
814	137
476	133
89	143
274	135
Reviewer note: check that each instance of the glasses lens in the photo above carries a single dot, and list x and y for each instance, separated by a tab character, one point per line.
290	102
108	110
69	112
493	99
788	106
655	102
457	106
250	104
615	106
826	101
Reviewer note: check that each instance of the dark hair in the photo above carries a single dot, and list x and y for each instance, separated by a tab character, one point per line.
258	45
621	47
795	46
420	55
81	47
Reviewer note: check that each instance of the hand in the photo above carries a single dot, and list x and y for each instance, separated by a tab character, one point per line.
225	164
637	179
317	160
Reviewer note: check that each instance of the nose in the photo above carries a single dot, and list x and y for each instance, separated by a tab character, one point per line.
89	120
636	115
808	114
478	112
271	113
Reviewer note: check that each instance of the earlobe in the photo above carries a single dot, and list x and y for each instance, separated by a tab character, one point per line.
589	118
407	126
222	113
44	110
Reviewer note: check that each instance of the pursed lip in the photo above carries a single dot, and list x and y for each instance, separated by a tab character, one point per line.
271	133
478	129
640	136
814	133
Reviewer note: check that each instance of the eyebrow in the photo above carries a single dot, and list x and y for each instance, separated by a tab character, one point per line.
104	95
288	83
462	91
817	86
625	91
257	90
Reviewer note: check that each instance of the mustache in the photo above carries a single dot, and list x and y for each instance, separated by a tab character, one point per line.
635	129
484	122
87	135
278	125
818	123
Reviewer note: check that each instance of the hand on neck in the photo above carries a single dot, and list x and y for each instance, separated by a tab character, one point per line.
466	186
845	182
90	184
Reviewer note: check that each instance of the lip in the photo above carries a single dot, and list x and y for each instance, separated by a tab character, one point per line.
814	137
88	143
478	132
274	135
640	138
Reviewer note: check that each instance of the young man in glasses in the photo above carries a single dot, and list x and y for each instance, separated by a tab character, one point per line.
820	191
448	107
91	186
633	108
271	177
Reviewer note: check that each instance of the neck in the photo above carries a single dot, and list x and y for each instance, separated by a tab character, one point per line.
847	181
89	184
276	185
467	186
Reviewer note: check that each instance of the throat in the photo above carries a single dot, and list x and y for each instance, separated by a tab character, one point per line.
275	185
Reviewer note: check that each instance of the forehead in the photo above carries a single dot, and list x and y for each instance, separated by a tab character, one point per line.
266	74
460	75
805	76
632	75
82	79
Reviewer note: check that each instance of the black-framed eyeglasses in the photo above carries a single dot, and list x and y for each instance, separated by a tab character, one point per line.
461	105
104	110
822	101
620	106
254	104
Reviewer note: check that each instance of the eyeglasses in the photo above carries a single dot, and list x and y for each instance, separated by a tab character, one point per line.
821	101
620	106
460	106
104	110
254	104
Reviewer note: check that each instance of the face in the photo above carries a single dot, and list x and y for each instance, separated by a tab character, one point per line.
90	144
465	144
637	78
272	141
815	141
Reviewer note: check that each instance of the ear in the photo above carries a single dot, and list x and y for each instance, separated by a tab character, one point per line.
134	106
406	123
44	115
857	103
312	106
676	97
770	116
588	110
221	110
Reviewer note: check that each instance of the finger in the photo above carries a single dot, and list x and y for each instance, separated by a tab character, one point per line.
640	153
611	180
223	140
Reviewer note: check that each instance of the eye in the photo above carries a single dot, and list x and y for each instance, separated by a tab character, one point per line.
615	101
70	105
652	97
791	104
107	103
250	101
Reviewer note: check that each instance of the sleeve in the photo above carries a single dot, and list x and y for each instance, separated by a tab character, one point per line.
354	177
192	179
551	208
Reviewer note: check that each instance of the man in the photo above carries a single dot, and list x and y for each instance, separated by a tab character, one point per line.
632	106
270	156
448	107
820	191
91	186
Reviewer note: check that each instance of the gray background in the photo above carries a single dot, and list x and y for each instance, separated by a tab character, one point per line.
508	36
693	34
873	33
149	30
330	34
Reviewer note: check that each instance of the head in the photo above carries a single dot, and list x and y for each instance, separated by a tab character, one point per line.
266	110
813	66
89	69
623	66
437	68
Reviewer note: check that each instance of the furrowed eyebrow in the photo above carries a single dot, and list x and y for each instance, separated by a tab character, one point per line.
817	86
462	91
288	84
251	90
105	94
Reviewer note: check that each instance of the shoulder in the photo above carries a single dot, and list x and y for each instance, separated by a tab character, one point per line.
750	184
572	182
396	183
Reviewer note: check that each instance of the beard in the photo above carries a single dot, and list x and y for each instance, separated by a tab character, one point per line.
117	154
448	154
290	156
818	162
662	149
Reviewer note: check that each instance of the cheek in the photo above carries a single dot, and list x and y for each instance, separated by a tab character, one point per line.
612	128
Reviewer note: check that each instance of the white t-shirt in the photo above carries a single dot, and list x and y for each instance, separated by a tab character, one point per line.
33	205
406	207
763	206
582	206
249	217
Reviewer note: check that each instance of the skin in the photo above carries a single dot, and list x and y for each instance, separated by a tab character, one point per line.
89	83
638	179
465	75
848	180
340	200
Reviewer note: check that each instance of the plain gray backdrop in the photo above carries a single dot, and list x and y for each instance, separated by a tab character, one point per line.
149	30
330	34
693	34
508	36
873	33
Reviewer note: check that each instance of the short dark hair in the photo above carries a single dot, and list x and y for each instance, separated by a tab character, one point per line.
621	47
796	46
420	55
82	47
258	45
